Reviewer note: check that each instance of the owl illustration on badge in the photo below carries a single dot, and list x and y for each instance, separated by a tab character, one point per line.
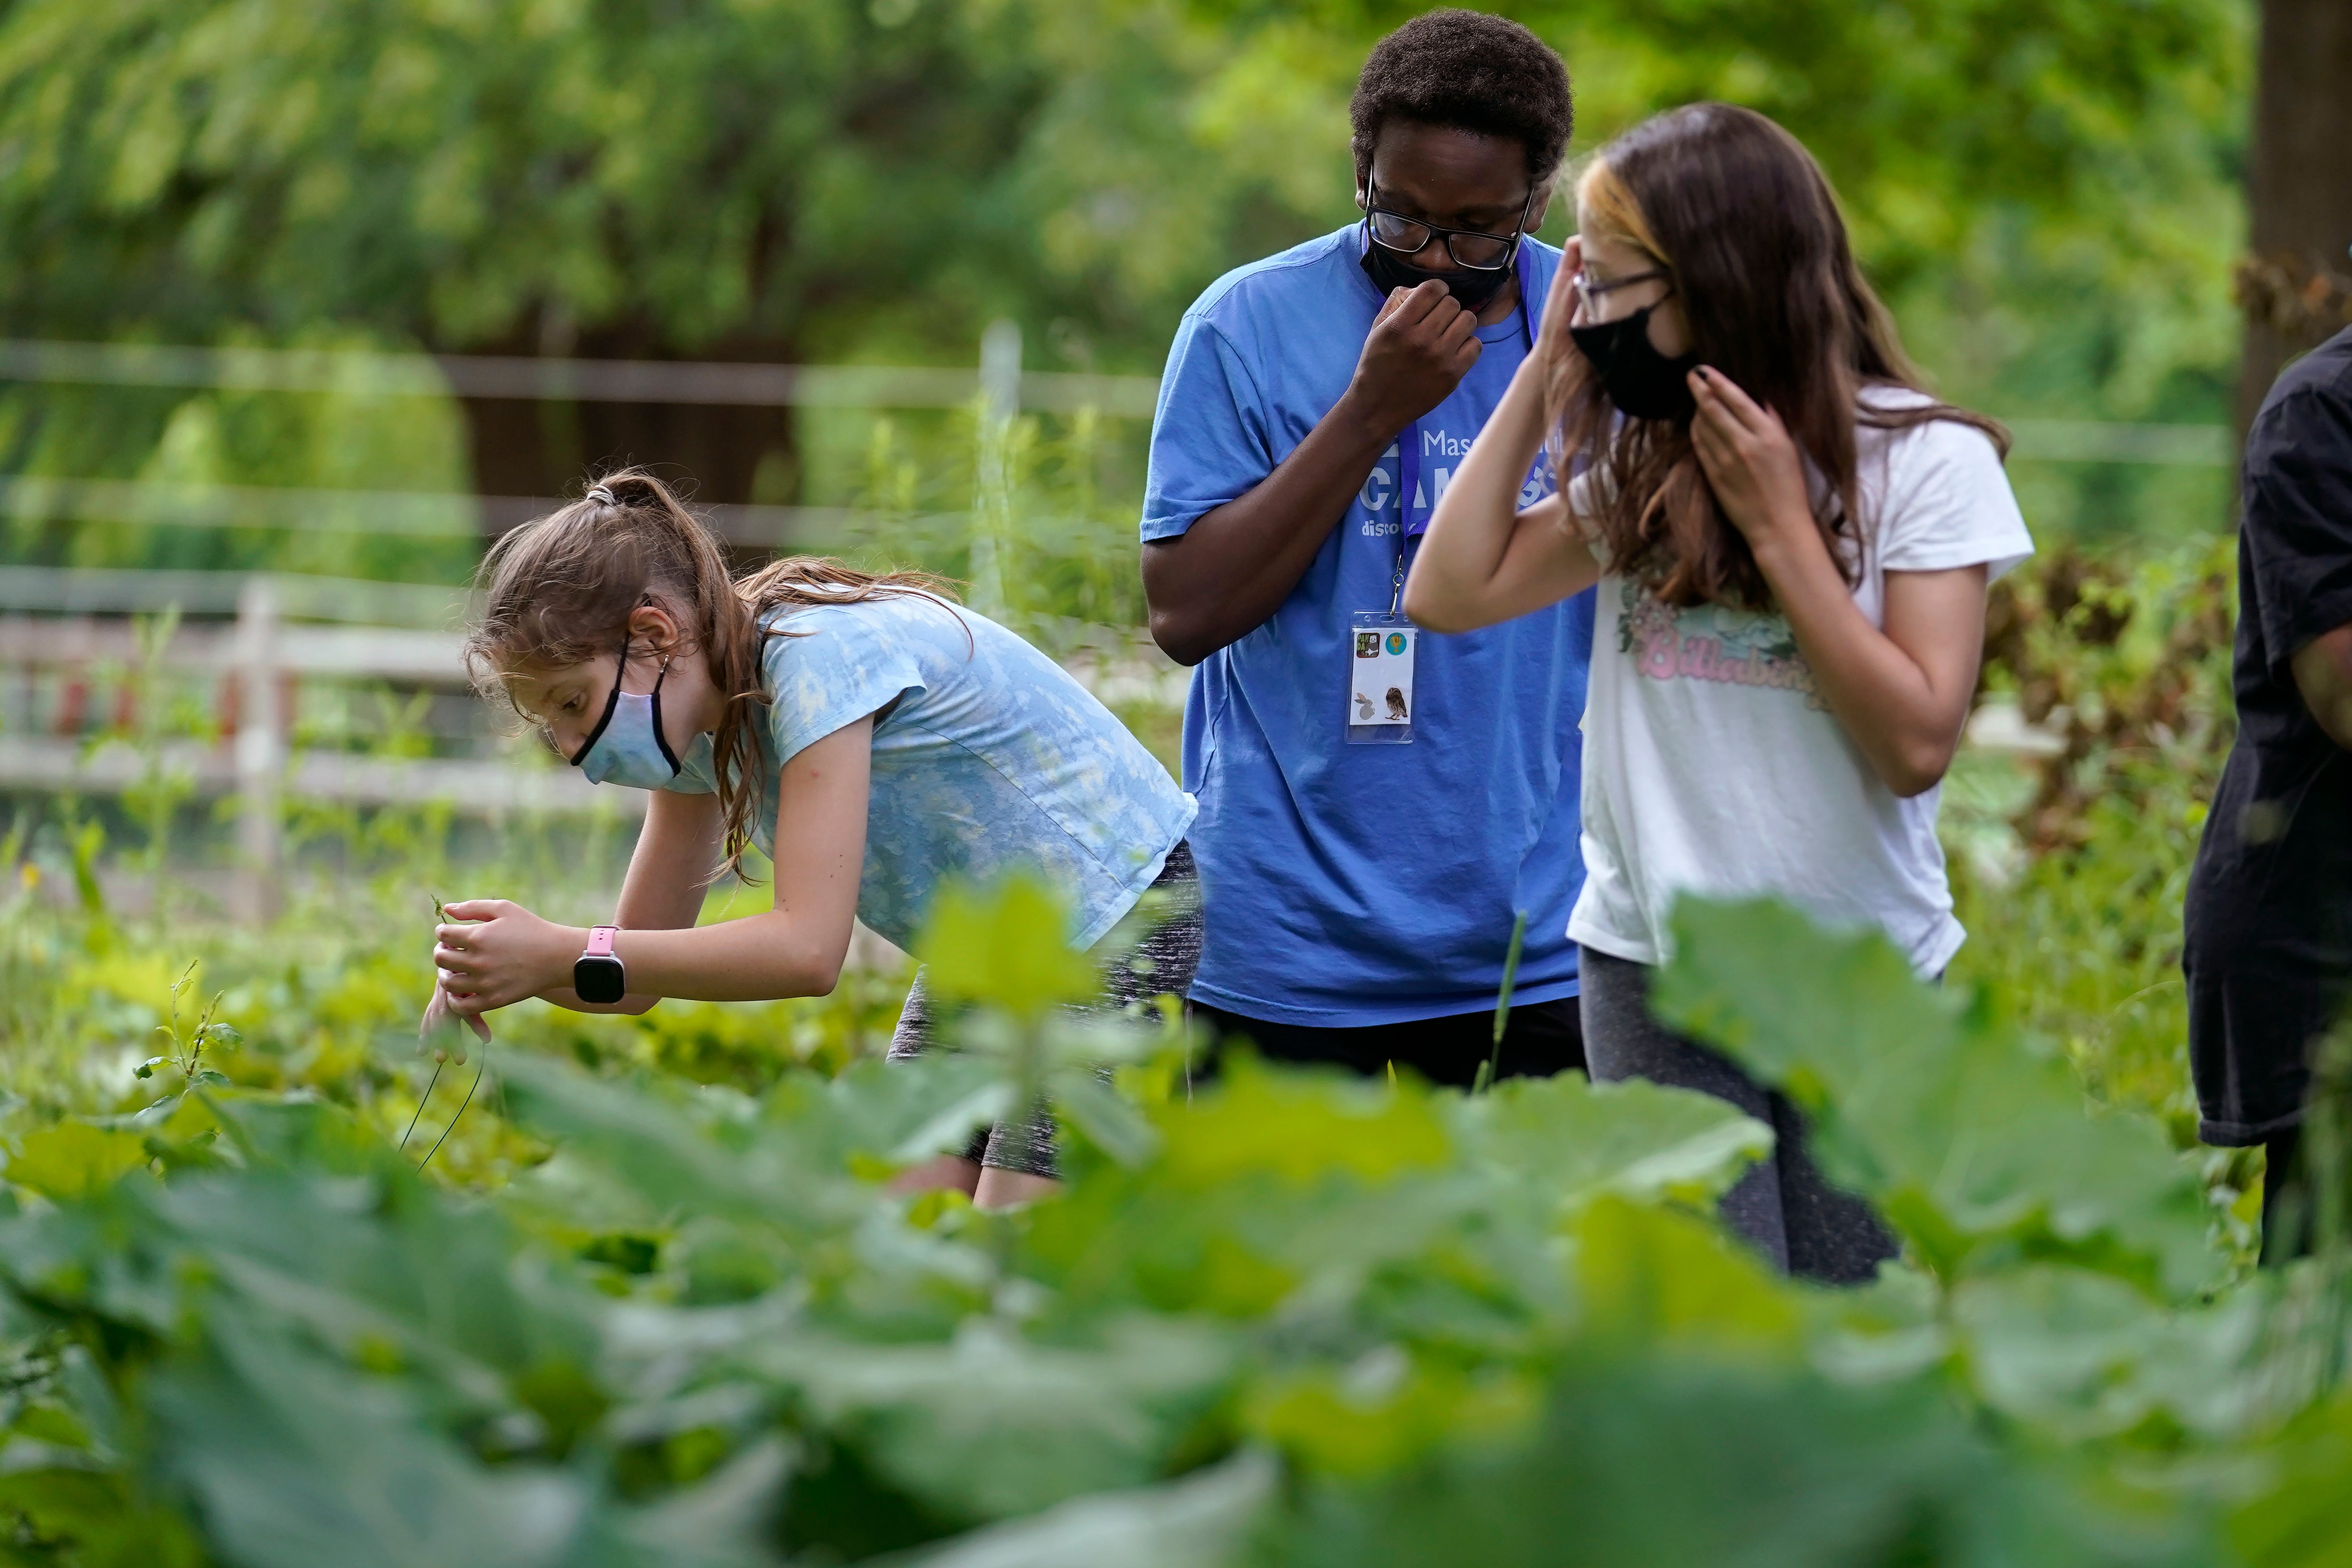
1363	708
1396	702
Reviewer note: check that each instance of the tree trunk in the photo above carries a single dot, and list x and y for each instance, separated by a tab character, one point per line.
549	450
2296	286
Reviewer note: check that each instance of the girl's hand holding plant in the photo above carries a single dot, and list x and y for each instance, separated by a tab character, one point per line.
440	1017
495	953
1753	466
439	1014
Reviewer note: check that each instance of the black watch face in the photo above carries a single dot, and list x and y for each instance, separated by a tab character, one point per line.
599	979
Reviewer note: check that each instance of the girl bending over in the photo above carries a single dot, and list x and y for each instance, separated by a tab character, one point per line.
873	735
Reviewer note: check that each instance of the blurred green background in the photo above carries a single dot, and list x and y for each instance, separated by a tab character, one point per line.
2052	194
2048	192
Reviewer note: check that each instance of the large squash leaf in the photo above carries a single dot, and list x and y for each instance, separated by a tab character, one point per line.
1976	1147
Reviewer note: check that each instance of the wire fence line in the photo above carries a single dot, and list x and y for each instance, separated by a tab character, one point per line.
428	514
528	379
727	384
2097	441
53	591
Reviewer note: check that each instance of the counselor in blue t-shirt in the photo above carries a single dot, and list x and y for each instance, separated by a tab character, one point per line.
1361	885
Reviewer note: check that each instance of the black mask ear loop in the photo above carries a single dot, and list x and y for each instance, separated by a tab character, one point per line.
611	702
661	736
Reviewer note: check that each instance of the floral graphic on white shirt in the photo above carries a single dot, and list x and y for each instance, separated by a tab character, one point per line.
1711	642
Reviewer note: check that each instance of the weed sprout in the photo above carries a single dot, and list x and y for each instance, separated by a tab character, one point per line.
185	1053
439	1019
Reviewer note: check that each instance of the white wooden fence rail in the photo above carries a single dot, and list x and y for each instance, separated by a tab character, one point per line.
257	658
710	383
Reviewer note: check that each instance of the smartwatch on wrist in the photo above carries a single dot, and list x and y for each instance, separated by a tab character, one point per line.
597	975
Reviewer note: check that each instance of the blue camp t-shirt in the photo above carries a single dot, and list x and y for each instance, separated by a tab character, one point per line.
1349	884
993	758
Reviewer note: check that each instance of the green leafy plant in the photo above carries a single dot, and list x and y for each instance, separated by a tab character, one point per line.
1312	1320
183	1050
440	1025
654	1300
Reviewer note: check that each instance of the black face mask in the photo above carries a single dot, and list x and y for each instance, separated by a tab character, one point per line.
1473	290
1643	383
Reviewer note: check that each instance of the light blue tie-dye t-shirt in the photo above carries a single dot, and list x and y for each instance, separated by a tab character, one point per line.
991	758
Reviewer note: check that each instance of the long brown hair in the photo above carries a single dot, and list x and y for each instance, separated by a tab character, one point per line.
560	589
1744	223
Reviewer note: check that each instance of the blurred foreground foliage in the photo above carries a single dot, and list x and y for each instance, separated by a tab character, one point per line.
1275	1317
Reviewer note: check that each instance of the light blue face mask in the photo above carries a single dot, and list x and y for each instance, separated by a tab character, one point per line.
628	746
701	763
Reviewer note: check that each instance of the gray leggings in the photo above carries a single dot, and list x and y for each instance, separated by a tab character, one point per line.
1163	961
1782	1206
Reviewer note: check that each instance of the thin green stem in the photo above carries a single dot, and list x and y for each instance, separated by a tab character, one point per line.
1503	1002
461	1110
421	1101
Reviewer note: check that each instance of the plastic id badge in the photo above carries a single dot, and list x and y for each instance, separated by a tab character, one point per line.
1380	678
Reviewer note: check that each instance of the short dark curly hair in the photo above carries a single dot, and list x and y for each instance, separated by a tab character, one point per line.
1466	71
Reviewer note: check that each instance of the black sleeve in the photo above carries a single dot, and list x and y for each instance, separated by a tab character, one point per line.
2298	517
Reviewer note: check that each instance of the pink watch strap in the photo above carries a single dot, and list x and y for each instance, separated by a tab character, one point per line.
600	942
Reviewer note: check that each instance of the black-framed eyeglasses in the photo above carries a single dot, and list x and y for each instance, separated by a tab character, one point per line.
1589	294
1471	249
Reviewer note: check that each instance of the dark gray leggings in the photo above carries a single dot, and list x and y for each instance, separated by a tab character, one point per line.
1161	962
1782	1206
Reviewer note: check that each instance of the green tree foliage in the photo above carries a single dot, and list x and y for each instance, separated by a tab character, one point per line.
2048	193
800	178
2048	189
493	173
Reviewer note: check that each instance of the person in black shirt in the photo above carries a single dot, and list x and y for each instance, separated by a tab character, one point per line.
2268	953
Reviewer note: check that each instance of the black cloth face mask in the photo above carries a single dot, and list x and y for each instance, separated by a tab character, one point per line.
1473	290
1643	383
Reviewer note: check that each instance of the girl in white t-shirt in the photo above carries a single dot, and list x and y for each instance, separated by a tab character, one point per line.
1792	542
